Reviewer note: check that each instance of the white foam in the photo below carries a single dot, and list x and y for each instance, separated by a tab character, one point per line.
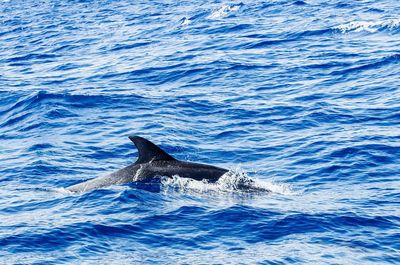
369	26
224	11
234	181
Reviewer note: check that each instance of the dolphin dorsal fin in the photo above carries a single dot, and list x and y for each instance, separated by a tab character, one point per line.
149	151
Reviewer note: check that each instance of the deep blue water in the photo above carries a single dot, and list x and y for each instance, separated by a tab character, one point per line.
303	97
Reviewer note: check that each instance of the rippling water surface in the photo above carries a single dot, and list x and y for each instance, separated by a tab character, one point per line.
302	97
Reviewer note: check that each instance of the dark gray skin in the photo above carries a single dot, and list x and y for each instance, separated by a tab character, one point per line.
152	162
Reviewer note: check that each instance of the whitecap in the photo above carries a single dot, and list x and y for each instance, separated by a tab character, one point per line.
224	11
369	26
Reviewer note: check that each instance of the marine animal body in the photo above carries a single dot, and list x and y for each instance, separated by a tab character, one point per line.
152	162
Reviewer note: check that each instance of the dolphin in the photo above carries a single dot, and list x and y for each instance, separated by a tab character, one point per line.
152	162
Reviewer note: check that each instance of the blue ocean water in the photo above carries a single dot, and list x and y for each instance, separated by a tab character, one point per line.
302	97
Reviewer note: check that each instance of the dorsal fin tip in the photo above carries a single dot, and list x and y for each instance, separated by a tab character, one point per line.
149	151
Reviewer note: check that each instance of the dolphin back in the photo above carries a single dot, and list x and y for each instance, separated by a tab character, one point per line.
152	161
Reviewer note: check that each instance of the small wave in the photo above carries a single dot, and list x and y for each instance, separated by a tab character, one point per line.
369	26
375	64
185	21
125	46
233	181
225	10
299	3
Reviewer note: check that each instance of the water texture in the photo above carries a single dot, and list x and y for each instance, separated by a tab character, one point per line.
301	97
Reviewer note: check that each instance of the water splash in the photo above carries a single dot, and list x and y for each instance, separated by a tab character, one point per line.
234	181
369	26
